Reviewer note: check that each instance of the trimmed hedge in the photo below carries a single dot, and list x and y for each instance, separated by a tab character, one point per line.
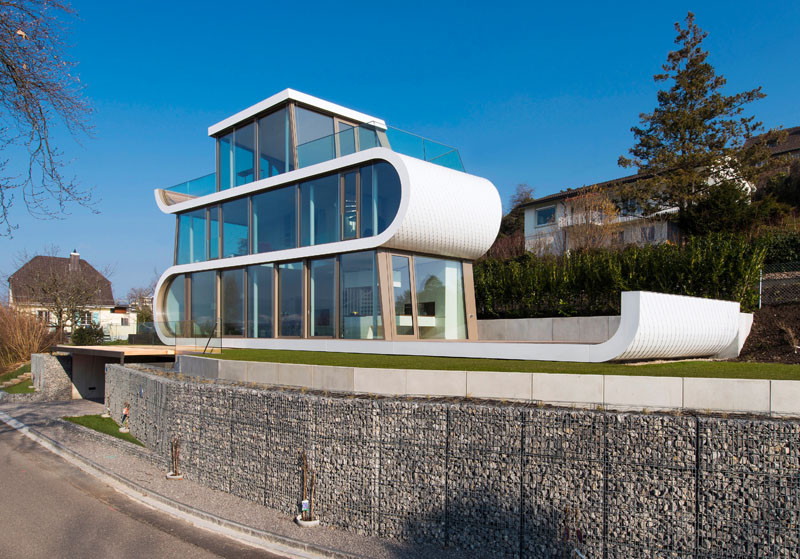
589	283
781	245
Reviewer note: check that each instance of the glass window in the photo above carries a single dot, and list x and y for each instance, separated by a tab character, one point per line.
213	232
191	237
440	299
234	228
232	299
244	154
401	286
315	141
319	211
322	296
204	302
359	296
367	137
350	210
175	307
259	301
275	220
225	145
545	216
380	198
273	144
290	299
346	139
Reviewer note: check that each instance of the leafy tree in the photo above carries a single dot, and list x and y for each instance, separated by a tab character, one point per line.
514	220
38	92
691	148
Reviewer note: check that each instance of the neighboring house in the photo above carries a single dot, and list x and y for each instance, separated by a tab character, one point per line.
43	278
550	221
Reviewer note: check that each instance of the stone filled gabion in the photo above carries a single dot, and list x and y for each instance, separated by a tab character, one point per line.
489	479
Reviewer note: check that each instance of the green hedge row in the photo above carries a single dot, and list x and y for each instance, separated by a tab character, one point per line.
718	266
781	245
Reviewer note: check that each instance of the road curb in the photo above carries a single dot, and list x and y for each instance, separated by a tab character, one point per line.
274	543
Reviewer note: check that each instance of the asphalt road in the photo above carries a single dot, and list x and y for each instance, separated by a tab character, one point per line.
49	508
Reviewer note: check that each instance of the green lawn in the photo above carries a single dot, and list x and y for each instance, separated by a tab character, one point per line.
720	369
24	387
26	368
103	425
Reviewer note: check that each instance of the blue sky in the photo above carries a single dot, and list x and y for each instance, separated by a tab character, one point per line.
543	94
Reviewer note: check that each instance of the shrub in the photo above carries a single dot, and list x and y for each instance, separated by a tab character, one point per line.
21	334
88	335
781	245
718	266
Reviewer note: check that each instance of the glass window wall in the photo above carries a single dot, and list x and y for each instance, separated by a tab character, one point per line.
273	144
191	237
259	301
175	306
319	211
440	299
346	138
275	220
213	232
234	227
244	154
290	299
232	299
380	198
360	316
322	297
204	303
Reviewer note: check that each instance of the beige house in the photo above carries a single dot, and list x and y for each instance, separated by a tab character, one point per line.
44	279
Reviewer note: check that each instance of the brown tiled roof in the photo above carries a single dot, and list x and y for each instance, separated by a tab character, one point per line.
570	192
790	144
20	281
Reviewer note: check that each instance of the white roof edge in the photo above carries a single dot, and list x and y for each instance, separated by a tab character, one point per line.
291	94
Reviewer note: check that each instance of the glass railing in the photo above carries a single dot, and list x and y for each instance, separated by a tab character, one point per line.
364	137
191	189
184	336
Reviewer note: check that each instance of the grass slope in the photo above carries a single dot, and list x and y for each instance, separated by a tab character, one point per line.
26	368
712	369
103	425
24	387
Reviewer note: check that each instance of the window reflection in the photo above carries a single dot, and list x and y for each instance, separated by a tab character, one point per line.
244	154
204	303
290	299
359	295
315	141
440	299
175	307
232	298
322	293
273	144
401	287
319	211
275	220
191	237
234	228
225	146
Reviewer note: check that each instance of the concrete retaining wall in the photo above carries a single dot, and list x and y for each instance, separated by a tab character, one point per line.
630	393
51	376
583	329
513	480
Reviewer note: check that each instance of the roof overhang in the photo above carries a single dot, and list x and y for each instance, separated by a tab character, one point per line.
292	95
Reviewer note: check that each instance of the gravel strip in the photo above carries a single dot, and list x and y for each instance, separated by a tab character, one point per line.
144	468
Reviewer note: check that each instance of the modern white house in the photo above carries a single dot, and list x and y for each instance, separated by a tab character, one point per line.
324	229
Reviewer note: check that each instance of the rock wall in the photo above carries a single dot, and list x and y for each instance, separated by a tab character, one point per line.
494	480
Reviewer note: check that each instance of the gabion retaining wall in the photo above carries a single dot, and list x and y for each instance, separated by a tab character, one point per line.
491	479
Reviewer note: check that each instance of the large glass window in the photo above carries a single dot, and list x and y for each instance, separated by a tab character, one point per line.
350	209
191	237
440	299
290	299
259	301
346	139
319	211
322	296
225	147
315	141
360	305
545	216
244	154
232	298
275	220
175	305
204	302
401	287
380	198
273	144
234	228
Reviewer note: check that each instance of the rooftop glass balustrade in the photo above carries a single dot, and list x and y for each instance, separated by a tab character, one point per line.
348	140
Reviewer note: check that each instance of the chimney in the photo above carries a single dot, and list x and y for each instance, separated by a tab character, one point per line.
74	261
